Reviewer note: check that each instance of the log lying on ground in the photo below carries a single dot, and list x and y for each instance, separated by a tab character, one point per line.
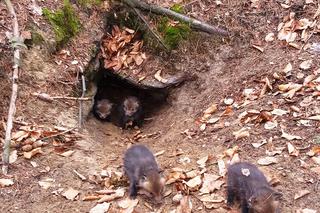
195	24
12	107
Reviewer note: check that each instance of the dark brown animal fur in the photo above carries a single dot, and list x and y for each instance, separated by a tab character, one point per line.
130	112
102	109
247	184
142	170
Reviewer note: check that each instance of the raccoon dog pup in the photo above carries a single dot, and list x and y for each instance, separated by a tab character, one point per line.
131	112
142	170
102	109
247	184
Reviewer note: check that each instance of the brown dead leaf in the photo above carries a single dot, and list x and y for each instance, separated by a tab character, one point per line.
292	150
194	183
67	153
290	137
301	194
210	183
305	65
29	155
46	183
128	205
242	133
185	205
20	135
118	194
91	197
70	194
202	161
231	152
100	208
316	160
221	167
267	161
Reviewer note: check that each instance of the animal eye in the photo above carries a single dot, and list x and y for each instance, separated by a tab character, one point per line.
144	178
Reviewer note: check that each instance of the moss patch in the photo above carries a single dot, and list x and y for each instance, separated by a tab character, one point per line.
173	32
88	3
65	22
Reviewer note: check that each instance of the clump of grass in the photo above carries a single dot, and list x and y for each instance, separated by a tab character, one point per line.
173	32
178	8
89	3
65	22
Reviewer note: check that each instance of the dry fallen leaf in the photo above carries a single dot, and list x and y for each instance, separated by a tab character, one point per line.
242	133
279	112
212	201
13	156
257	145
6	182
301	193
267	161
202	161
67	153
128	205
269	37
222	167
70	194
305	65
32	153
46	183
287	69
210	183
118	194
316	160
185	205
292	150
290	137
194	183
306	211
100	208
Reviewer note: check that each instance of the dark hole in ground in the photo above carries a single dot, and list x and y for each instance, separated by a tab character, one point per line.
116	89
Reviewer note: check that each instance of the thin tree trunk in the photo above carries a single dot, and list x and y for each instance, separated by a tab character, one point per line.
12	107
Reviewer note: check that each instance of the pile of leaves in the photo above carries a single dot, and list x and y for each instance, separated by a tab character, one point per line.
122	50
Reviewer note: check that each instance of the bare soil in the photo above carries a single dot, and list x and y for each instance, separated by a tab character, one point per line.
223	68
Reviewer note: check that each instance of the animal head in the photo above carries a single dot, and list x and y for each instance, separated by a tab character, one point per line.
131	105
153	183
104	108
265	201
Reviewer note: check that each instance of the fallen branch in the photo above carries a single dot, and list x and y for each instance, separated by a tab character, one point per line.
194	23
55	135
12	107
149	27
84	89
48	98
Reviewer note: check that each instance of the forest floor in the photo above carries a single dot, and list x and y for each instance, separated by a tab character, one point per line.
262	91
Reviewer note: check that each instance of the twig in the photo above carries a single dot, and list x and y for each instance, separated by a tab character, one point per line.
12	107
194	23
149	27
55	135
84	89
48	98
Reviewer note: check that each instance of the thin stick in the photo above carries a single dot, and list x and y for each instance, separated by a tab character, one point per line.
84	89
12	107
55	135
149	27
48	98
194	23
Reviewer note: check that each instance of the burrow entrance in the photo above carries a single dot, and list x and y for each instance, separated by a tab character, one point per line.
123	68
